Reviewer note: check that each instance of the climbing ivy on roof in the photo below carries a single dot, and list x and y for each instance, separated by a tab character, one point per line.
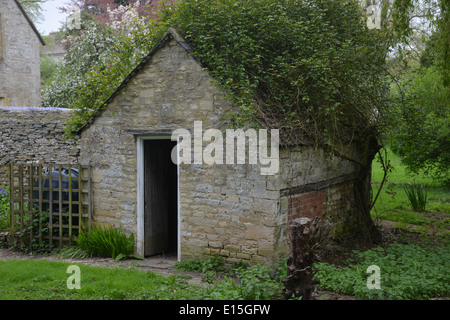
310	68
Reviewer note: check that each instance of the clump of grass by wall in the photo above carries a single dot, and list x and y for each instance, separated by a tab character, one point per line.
100	241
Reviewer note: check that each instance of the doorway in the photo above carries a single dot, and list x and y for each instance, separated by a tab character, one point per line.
159	197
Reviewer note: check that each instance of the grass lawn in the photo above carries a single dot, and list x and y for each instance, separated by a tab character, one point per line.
47	280
42	279
392	203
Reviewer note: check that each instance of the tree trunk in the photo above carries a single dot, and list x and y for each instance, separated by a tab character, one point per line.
306	235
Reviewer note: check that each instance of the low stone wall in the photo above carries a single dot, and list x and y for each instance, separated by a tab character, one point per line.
32	135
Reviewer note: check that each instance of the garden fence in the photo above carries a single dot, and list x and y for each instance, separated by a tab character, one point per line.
49	204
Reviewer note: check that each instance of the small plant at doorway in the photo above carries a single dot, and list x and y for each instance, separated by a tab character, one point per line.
104	242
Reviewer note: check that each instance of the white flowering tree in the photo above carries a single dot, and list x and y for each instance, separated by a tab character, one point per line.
100	8
93	48
131	27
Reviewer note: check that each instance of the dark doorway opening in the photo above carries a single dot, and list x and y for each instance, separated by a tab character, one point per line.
160	198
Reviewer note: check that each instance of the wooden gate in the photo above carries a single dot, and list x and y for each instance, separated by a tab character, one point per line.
49	204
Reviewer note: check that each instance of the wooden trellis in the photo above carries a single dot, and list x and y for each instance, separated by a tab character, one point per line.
48	203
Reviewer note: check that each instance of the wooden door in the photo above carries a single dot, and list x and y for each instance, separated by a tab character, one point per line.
160	197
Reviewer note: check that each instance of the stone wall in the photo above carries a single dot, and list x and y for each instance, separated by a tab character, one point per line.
232	213
31	135
20	47
315	184
246	215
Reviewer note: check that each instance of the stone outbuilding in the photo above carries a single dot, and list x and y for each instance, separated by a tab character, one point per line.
20	47
200	210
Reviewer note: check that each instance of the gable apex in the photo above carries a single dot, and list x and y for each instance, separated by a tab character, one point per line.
170	34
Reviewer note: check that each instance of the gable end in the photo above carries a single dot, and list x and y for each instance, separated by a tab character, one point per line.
170	34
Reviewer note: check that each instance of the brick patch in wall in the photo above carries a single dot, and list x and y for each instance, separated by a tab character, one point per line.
307	205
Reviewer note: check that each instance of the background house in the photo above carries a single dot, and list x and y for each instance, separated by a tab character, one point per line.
20	46
197	210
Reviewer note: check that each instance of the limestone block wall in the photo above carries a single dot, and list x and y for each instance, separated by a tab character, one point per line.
32	135
170	92
20	48
229	213
239	214
315	184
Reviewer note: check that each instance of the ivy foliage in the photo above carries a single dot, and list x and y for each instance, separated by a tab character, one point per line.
309	68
